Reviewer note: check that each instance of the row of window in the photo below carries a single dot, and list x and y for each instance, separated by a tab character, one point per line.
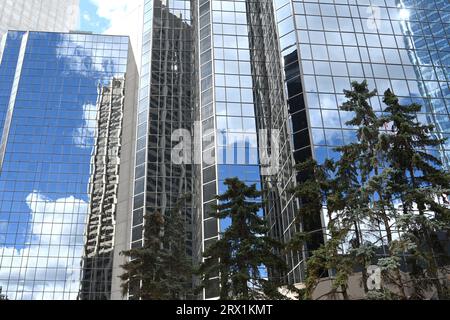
410	88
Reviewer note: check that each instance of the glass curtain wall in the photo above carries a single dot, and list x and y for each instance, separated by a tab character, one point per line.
49	121
402	45
164	107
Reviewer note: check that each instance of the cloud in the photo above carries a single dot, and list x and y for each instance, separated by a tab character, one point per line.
84	137
87	17
125	18
86	61
48	268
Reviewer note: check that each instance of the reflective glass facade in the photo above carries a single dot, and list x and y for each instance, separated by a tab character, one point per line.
39	15
81	164
164	106
61	109
390	43
427	31
325	45
227	116
104	184
259	69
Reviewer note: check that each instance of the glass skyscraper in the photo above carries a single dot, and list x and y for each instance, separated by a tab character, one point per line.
401	45
39	15
164	106
63	107
212	69
226	111
264	69
244	119
249	88
427	28
325	45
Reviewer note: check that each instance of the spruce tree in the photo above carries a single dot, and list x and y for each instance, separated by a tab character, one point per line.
374	200
161	269
421	184
348	203
244	249
314	192
144	272
178	264
351	188
389	180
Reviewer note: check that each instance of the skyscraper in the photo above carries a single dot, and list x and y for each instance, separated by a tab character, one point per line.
243	115
106	164
265	69
65	101
383	42
213	70
402	45
228	88
225	112
164	106
428	49
39	15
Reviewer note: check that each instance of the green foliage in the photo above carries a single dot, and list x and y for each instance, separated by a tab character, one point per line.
161	269
382	179
144	271
421	184
328	257
243	249
381	295
389	263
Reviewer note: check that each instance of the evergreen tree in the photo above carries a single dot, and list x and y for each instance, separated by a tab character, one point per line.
314	192
144	272
177	262
420	184
244	250
348	202
374	199
363	188
162	269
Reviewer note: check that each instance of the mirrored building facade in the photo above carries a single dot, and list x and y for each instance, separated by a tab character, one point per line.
226	111
264	69
229	96
164	107
401	45
106	159
247	88
245	121
62	109
39	15
325	45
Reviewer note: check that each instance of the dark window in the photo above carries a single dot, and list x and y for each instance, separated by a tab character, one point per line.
209	192
138	217
139	201
137	233
299	121
209	174
211	228
208	211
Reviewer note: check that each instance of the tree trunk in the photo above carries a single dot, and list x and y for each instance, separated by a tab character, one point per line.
364	262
